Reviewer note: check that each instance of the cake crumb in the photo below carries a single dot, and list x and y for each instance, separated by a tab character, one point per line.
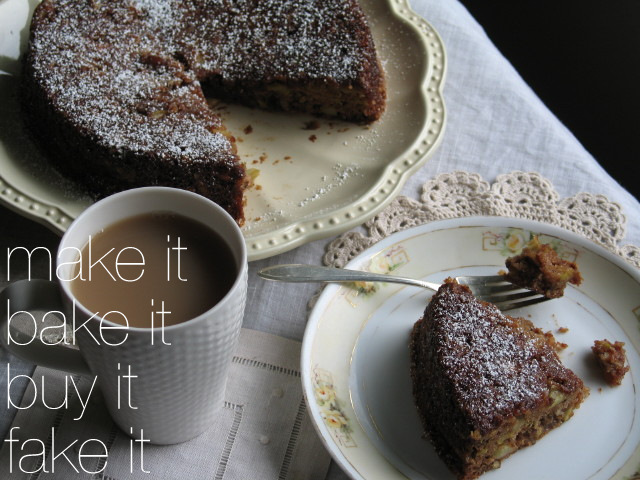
611	359
563	330
312	138
248	129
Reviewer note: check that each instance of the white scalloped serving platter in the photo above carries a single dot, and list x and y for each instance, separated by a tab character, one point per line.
311	183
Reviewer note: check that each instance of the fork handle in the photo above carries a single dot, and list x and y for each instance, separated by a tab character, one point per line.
297	273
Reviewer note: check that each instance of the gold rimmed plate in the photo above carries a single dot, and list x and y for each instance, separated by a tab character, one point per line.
355	359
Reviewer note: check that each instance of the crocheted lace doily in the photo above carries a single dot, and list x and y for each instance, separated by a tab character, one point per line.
517	194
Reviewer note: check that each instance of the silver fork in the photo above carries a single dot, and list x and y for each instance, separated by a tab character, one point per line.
494	289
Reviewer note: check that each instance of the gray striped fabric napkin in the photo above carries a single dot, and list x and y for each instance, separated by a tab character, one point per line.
263	431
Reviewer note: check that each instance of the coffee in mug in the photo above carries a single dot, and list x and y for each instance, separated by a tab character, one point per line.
150	261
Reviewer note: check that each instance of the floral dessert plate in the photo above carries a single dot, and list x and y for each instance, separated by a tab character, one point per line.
312	178
355	363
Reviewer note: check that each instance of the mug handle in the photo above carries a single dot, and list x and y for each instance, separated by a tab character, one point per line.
31	295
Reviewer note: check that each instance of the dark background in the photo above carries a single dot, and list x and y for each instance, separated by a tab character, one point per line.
582	58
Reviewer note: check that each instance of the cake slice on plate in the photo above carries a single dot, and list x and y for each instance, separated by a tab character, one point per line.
485	384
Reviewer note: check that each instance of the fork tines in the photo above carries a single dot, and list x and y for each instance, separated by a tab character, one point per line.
505	295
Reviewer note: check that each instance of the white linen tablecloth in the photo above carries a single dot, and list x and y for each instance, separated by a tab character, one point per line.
495	125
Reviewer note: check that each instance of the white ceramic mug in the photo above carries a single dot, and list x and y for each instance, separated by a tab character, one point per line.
178	388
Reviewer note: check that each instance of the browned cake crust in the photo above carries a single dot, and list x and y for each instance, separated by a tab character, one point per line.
611	359
485	384
539	268
112	89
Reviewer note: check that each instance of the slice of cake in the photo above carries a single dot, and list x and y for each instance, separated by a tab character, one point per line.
539	268
113	90
485	384
611	359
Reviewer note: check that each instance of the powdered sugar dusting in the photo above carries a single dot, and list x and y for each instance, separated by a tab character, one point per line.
126	72
119	84
158	14
271	39
498	371
341	174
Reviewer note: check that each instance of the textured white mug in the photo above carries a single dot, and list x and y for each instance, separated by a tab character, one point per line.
181	376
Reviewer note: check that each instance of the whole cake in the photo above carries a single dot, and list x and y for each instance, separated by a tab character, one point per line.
485	384
113	89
